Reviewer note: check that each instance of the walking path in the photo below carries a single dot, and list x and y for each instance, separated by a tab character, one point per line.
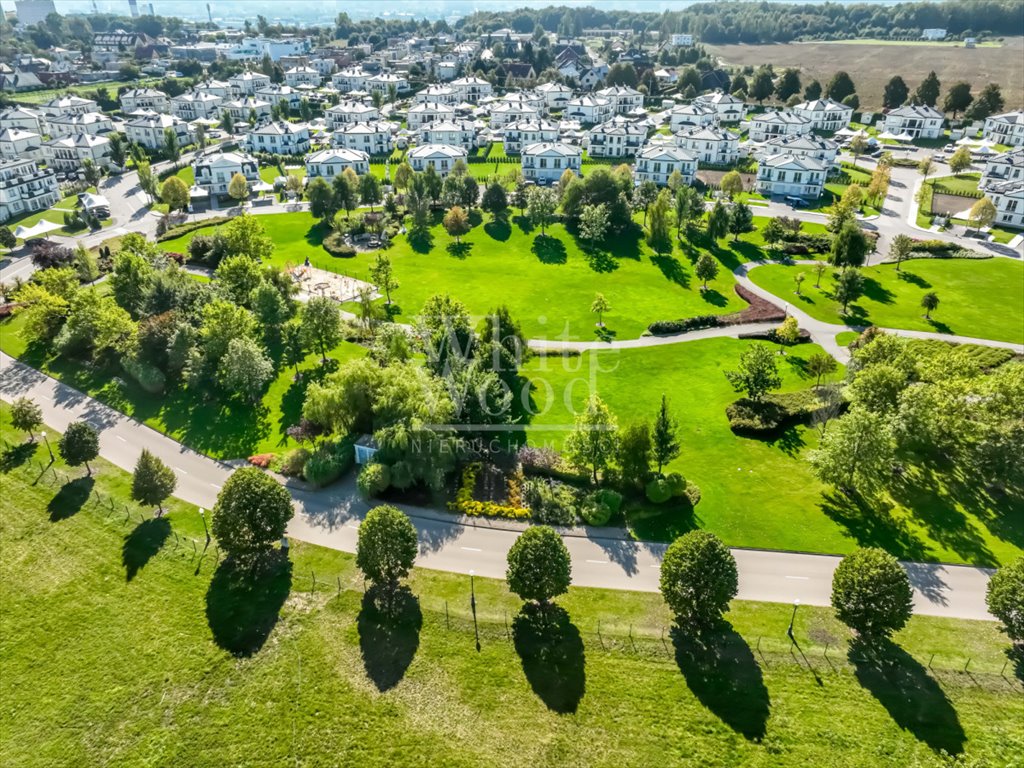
601	557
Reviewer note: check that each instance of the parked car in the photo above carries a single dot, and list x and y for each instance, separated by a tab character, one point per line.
796	202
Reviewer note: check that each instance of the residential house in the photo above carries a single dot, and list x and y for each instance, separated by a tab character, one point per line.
615	138
68	105
711	145
442	157
456	133
280	94
1008	166
70	152
530	99
623	98
279	138
815	147
373	138
505	112
247	83
791	175
242	109
471	89
138	99
545	163
1007	128
442	94
350	112
589	109
729	108
917	121
681	40
350	79
328	163
297	76
769	125
825	114
324	67
196	106
933	34
219	88
426	112
92	123
1008	198
16	143
657	162
214	171
446	70
694	115
383	83
150	130
522	132
25	188
24	119
556	96
518	72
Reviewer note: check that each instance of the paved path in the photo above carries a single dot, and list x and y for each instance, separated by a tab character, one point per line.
600	559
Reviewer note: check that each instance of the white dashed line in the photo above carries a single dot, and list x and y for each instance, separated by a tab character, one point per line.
121	438
799	578
471	549
598	562
179	469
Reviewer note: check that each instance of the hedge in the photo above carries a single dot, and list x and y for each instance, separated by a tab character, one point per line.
773	336
774	412
760	310
149	377
191	226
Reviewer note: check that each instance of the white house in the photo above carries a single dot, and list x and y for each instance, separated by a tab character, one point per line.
92	123
815	147
691	116
241	109
18	144
149	130
505	112
683	40
790	175
530	99
426	112
729	108
471	89
23	118
350	112
1008	198
219	88
456	133
383	82
279	138
623	98
137	99
825	114
615	138
25	188
442	94
589	109
213	172
933	34
769	125
545	163
280	94
373	138
442	157
1009	166
247	83
446	70
522	132
70	152
297	76
329	163
69	105
919	122
555	95
714	146
656	162
1007	128
350	79
325	67
196	106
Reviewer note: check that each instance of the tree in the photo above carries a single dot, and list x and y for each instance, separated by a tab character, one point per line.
539	566
960	161
757	374
659	232
634	457
706	269
26	416
773	233
856	454
293	184
1004	597
813	91
840	86
174	192
171	147
593	441
858	146
520	196
495	200
958	98
403	175
896	92
118	152
79	444
718	221
91	171
147	181
238	188
456	222
788	84
871	593
321	324
321	198
762	86
741	219
386	547
788	332
927	92
989	102
152	481
732	184
227	122
698	579
599	306
269	307
900	248
238	276
799	278
383	276
982	214
665	441
245	369
689	208
541	204
369	190
594	223
849	287
251	513
929	303
7	238
821	364
820	267
643	196
849	246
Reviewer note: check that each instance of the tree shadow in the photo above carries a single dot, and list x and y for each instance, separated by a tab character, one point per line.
16	455
913	279
389	637
498	229
70	499
672	269
144	541
912	697
422	242
714	298
722	673
549	250
873	526
875	291
524	224
242	604
790	440
605	334
599	259
939	326
551	650
459	250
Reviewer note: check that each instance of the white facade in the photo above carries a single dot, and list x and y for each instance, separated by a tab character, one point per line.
441	94
350	79
447	70
471	89
681	40
810	146
325	67
714	146
149	131
770	125
506	112
790	175
219	88
247	83
297	76
546	162
25	188
214	172
70	152
196	106
456	133
657	162
383	82
1007	128
345	112
589	109
825	114
426	112
442	157
17	144
91	123
137	99
522	132
280	94
329	163
372	138
242	109
729	108
23	118
1008	166
933	34
1008	198
623	98
555	95
691	116
69	105
279	138
615	138
920	122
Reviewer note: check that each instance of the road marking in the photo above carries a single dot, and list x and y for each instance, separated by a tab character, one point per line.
654	566
121	438
598	562
179	469
352	525
213	484
799	578
472	549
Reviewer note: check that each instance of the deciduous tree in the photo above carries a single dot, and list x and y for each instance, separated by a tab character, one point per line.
26	416
386	547
594	439
251	513
757	373
539	567
1004	597
698	579
871	593
79	444
152	481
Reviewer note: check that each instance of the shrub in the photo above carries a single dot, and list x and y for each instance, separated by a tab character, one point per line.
373	480
335	246
292	463
192	226
261	460
658	491
324	466
670	327
611	499
676	483
465	503
550	501
149	377
772	412
772	335
692	494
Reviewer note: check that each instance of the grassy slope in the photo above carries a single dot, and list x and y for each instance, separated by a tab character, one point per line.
99	669
983	299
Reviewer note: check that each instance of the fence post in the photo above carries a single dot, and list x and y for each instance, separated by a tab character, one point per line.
967	664
314	579
339	586
931	660
447	623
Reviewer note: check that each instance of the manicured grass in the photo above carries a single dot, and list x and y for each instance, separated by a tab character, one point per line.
967	182
270	172
846	337
760	492
548	283
834	190
56	215
122	647
978	298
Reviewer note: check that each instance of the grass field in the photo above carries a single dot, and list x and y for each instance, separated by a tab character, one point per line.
121	646
978	298
870	65
761	492
55	215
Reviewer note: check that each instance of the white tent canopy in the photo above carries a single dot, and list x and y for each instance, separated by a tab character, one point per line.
24	233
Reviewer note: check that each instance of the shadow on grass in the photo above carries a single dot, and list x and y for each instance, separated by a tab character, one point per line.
551	650
875	291
498	229
714	298
720	669
389	637
873	525
598	259
789	440
421	242
524	224
938	326
16	455
672	269
144	541
459	250
242	604
549	250
605	334
910	277
912	697
70	499
661	522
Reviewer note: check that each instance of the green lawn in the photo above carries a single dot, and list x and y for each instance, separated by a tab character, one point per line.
548	284
122	646
270	172
834	189
979	298
967	182
757	492
56	215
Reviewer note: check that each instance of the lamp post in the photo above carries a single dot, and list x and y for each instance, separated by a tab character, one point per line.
48	448
202	515
472	605
796	604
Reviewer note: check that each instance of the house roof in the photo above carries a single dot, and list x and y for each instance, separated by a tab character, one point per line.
822	105
916	111
781	118
552	148
339	154
426	151
792	162
666	152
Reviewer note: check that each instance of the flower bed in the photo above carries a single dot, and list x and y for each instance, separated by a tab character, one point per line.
466	504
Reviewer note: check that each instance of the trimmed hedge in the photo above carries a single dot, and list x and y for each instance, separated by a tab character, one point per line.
774	412
149	377
773	337
670	327
192	226
337	247
465	503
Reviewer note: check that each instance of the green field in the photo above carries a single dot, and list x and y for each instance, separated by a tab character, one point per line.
125	644
978	298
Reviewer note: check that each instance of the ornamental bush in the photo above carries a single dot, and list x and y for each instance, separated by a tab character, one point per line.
658	491
1005	598
373	480
251	513
676	483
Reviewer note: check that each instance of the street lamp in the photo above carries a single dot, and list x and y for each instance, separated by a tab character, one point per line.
472	605
48	448
796	604
202	514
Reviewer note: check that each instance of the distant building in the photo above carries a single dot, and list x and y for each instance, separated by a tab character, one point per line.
196	106
546	162
589	109
25	188
825	114
91	123
615	138
711	145
810	146
691	116
769	125
33	11
345	112
328	163
70	152
555	95
17	144
623	98
1008	198
729	108
471	89
456	133
933	34
681	40
1007	128
1008	166
150	130
522	132
657	162
918	122
426	112
279	138
137	99
442	157
791	175
213	172
297	76
247	83
373	138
